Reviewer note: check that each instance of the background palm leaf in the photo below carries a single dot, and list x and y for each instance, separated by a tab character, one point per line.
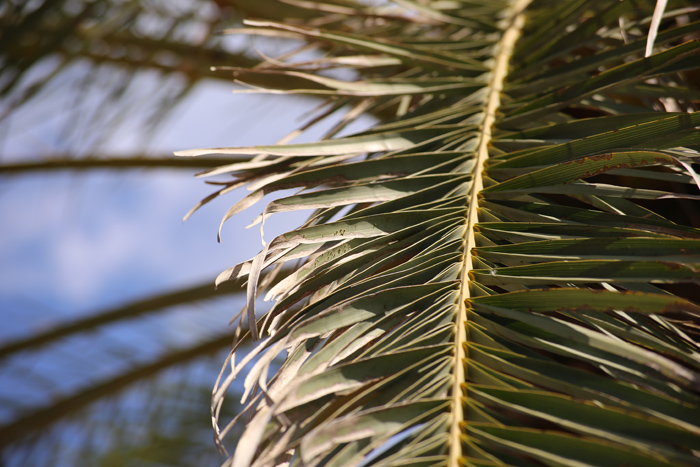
513	279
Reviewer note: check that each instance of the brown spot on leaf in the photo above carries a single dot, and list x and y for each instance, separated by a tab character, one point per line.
603	157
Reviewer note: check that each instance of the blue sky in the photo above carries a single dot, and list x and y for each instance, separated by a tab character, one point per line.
75	243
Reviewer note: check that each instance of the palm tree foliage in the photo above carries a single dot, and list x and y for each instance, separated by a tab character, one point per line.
504	272
97	64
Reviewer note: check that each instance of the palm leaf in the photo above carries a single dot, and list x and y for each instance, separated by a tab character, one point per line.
513	282
101	162
156	303
61	408
37	419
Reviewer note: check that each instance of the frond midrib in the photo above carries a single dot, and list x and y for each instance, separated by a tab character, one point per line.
515	20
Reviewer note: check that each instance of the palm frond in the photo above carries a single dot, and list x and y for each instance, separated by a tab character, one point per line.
504	273
30	417
156	419
100	162
156	303
40	418
99	64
